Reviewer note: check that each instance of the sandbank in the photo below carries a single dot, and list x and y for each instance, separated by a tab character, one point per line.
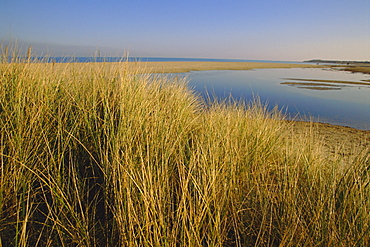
329	81
357	69
181	67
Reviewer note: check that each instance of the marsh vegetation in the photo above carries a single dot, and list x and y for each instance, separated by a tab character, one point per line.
97	155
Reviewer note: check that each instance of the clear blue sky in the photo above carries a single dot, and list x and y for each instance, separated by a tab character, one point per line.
291	30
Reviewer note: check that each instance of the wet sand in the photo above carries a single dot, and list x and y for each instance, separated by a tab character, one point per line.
357	69
335	140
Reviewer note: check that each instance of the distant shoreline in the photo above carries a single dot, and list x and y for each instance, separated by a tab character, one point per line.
187	66
339	62
183	67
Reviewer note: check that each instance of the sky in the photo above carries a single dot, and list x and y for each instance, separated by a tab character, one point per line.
284	30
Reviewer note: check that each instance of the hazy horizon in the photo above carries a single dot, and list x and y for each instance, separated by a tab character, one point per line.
288	30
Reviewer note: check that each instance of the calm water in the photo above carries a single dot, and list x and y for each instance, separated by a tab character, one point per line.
346	105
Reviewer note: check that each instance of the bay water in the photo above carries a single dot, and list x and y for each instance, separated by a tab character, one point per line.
345	104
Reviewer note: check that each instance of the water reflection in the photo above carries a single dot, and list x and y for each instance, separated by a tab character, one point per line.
349	106
317	84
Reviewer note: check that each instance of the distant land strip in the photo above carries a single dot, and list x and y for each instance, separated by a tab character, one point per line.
178	67
182	67
338	62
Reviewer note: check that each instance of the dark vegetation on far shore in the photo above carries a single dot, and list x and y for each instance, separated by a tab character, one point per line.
350	66
339	62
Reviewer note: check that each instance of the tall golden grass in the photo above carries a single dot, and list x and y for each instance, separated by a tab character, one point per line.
97	155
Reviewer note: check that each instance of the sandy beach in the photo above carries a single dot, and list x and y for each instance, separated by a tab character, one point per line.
336	140
179	67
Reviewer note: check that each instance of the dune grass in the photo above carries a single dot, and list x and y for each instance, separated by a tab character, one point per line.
107	156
